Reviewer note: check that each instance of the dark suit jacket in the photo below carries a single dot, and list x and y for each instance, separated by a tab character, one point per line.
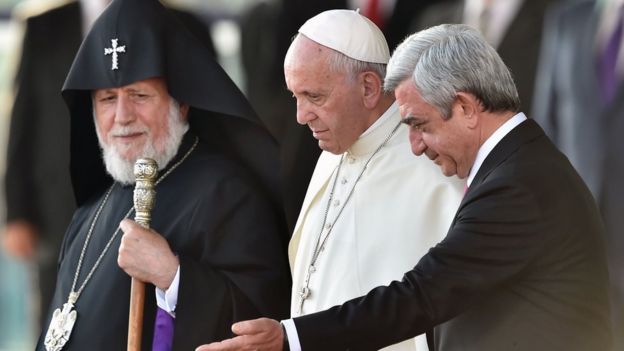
521	268
571	110
519	47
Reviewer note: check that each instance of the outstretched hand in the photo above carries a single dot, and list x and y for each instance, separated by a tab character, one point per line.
261	334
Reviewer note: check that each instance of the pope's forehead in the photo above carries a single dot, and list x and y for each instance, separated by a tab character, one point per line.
303	50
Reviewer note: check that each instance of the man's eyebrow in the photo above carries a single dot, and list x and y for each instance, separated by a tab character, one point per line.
103	91
135	89
410	120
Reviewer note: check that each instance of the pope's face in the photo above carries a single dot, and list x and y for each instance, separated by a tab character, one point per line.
133	115
329	103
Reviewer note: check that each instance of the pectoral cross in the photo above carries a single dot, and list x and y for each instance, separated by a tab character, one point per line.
304	292
114	50
61	325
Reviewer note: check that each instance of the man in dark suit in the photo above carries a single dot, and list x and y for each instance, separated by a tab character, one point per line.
39	196
579	101
523	264
516	40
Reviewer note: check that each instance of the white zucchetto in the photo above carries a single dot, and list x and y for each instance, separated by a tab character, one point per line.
349	33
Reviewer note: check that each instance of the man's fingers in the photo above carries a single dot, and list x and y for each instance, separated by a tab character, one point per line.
126	224
257	334
132	229
215	346
225	345
250	327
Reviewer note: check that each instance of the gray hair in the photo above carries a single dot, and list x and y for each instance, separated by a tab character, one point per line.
341	63
451	58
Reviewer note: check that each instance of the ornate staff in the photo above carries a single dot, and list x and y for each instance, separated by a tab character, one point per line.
145	171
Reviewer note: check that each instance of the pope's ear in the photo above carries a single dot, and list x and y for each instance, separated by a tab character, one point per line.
372	88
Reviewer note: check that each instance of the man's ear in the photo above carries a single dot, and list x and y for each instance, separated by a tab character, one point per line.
468	107
372	88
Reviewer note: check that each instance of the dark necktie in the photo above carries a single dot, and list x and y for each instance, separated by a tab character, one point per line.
607	62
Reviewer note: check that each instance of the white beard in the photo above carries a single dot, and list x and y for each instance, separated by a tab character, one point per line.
122	170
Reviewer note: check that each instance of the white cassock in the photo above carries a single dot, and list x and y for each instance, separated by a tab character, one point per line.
401	206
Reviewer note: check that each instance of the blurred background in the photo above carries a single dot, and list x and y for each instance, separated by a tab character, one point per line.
566	57
17	290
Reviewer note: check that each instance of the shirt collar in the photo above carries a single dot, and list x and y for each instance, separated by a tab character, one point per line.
492	141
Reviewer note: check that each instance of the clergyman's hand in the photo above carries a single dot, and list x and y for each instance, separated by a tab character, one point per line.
261	334
146	255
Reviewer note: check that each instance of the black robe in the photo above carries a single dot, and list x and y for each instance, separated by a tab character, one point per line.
226	234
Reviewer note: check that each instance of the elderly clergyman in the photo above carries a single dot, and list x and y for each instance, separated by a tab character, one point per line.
142	86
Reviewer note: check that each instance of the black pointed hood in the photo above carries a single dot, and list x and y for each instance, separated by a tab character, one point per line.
138	39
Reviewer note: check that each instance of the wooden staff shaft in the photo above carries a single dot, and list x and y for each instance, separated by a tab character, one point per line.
135	326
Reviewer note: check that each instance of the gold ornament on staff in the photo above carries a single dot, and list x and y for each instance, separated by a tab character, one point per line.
145	172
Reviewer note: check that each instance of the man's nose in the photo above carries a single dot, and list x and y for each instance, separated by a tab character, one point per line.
417	143
304	115
124	113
